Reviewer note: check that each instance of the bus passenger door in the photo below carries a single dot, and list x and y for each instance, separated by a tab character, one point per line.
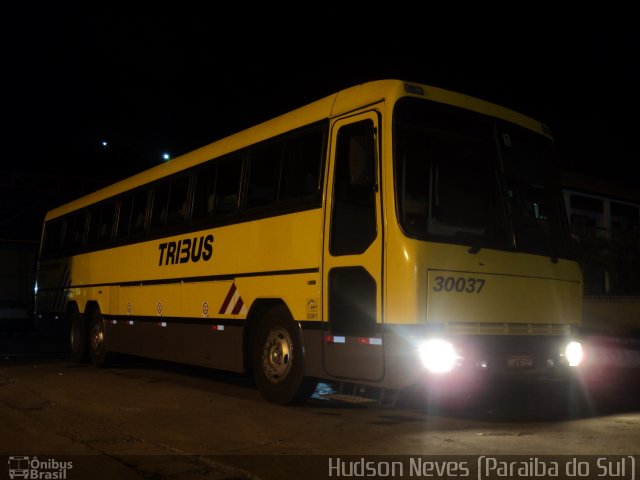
352	256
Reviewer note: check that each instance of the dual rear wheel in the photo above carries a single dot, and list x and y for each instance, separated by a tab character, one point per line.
87	340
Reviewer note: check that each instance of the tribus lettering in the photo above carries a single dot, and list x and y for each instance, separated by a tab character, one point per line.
186	250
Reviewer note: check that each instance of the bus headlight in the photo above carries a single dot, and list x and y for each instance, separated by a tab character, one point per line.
437	355
573	353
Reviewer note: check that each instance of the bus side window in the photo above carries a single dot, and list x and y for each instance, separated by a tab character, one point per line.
264	172
107	216
353	219
204	192
160	201
177	205
301	166
227	186
94	222
74	230
124	216
138	212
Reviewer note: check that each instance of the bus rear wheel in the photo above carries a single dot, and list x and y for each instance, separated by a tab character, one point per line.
78	339
100	356
278	359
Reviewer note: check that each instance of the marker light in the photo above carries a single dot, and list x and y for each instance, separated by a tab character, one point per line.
438	356
574	353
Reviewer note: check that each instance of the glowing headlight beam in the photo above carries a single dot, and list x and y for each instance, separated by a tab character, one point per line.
574	353
437	355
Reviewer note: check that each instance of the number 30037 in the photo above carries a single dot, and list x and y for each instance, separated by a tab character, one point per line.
458	284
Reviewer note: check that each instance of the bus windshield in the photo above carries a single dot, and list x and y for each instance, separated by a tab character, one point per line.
472	180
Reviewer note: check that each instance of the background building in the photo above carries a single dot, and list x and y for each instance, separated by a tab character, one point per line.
605	221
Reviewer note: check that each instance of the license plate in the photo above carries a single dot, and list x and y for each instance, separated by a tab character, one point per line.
520	361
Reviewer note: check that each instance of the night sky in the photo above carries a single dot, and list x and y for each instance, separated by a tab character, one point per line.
165	80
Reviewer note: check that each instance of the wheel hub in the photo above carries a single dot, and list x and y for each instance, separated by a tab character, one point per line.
97	337
277	355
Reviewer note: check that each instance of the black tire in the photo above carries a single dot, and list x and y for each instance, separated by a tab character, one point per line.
100	356
577	401
78	336
278	359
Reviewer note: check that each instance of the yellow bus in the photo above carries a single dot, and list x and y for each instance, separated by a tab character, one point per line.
387	235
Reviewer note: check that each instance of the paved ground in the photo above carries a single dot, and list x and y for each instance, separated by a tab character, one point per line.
156	420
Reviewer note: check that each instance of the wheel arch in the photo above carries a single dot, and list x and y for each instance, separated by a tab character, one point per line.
71	310
90	307
257	311
72	307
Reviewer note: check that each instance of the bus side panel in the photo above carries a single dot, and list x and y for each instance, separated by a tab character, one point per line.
205	344
312	338
83	296
299	292
216	339
215	346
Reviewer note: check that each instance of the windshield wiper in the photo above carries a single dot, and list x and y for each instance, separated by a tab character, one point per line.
473	241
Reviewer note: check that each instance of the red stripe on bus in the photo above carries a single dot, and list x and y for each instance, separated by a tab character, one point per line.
227	300
238	307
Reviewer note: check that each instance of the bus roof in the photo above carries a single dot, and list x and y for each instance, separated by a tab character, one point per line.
337	104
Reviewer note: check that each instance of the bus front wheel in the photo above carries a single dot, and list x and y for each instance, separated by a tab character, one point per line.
278	359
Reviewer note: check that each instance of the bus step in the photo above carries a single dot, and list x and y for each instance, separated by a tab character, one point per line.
353	399
361	395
